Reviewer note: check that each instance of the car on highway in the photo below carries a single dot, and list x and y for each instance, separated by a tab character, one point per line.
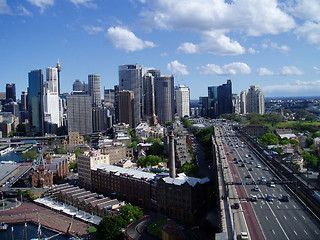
254	198
256	189
269	198
236	205
248	176
244	235
284	198
250	169
272	185
258	166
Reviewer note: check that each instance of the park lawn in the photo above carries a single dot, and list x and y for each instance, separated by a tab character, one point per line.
294	123
155	228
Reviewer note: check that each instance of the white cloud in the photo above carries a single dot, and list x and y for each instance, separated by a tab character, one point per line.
228	69
121	38
317	70
252	50
4	8
303	88
264	72
310	31
23	11
290	70
86	3
214	42
252	17
273	45
42	4
305	9
92	29
177	68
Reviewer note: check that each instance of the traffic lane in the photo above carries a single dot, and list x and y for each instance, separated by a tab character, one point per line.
271	227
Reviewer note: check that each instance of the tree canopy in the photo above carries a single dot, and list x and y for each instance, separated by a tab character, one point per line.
150	160
269	139
29	156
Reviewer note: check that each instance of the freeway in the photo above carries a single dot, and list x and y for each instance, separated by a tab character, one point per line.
277	217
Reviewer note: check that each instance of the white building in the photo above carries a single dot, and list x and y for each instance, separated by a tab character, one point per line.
252	101
51	97
182	94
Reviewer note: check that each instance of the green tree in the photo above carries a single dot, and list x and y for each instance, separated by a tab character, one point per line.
60	150
150	160
309	141
130	213
311	159
190	169
29	156
156	148
77	152
110	228
73	165
186	122
269	139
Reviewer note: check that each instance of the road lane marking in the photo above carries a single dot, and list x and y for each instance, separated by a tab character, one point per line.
295	218
303	217
294	206
267	218
273	232
278	207
285	217
295	233
305	231
286	206
316	232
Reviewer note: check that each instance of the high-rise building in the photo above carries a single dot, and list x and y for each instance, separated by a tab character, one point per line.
182	94
78	86
164	93
109	97
51	100
11	92
243	102
255	100
35	102
203	106
149	107
23	106
94	89
235	103
79	113
130	78
126	105
212	101
225	98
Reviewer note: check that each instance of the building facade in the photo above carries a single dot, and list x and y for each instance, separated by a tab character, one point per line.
182	96
94	89
126	107
130	78
164	93
35	102
79	113
255	100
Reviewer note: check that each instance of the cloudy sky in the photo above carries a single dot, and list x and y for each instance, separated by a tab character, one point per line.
270	43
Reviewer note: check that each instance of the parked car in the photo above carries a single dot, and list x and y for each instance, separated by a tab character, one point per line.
284	198
269	198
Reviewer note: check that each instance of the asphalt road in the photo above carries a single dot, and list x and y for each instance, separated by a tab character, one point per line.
277	219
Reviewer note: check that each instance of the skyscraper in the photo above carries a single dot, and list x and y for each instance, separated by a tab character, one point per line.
149	107
35	102
212	101
94	89
126	104
225	98
11	92
130	78
79	113
255	100
243	102
182	94
51	100
164	92
77	86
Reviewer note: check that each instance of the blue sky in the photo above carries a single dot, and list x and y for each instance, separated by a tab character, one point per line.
269	43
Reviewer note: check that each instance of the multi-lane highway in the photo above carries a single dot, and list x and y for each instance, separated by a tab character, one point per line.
265	202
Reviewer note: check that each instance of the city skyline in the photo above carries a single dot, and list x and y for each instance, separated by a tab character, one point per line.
201	43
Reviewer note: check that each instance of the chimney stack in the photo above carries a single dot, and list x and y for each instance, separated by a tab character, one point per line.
172	161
